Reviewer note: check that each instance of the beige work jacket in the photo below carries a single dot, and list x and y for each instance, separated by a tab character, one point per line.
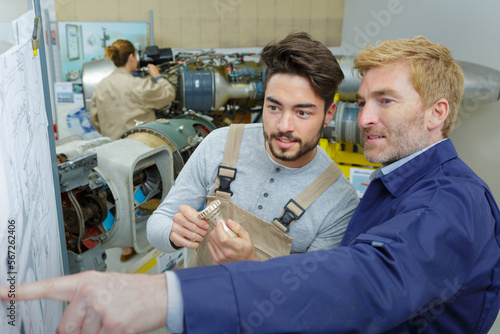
121	99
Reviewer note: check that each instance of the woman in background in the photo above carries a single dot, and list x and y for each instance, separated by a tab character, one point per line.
121	99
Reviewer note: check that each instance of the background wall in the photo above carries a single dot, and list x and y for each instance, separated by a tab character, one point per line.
470	30
186	24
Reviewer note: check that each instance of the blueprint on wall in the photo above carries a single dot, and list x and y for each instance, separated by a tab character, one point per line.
30	247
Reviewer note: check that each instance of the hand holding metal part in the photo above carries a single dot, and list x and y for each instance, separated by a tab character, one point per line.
213	214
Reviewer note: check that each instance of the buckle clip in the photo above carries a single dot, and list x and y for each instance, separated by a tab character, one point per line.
288	216
225	181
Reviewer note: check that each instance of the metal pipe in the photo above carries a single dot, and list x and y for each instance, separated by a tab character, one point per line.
151	29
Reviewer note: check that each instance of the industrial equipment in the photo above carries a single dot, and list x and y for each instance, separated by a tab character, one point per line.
229	86
110	188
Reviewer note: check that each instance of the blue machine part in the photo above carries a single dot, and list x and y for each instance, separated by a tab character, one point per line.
247	71
109	221
259	91
139	197
198	90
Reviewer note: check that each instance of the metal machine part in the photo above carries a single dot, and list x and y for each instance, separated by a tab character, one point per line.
482	84
156	56
181	135
349	86
208	90
213	83
344	127
93	259
73	173
92	73
110	188
126	182
127	168
213	214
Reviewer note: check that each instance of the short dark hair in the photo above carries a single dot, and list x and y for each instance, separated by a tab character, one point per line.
299	54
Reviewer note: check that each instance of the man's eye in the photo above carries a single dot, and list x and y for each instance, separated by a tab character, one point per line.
361	104
303	113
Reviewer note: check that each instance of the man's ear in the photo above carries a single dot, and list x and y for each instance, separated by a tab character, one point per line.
329	113
438	114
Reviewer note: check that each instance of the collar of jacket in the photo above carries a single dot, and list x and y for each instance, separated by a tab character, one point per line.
121	70
401	179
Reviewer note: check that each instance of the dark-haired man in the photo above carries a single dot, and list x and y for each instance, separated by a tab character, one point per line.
278	167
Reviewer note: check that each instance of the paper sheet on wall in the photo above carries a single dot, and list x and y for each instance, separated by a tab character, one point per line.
30	247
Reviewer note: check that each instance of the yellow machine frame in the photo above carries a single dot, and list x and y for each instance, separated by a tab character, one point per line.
345	157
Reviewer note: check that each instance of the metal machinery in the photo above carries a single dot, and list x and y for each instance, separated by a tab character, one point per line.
109	189
228	87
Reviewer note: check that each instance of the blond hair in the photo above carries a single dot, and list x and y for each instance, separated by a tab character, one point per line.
433	71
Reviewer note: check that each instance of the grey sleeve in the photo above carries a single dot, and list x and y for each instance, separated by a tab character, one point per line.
333	227
190	188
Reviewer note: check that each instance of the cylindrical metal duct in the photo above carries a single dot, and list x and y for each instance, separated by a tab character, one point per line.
207	91
92	73
344	127
482	84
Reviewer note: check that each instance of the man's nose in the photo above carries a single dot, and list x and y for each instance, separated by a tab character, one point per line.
287	122
367	116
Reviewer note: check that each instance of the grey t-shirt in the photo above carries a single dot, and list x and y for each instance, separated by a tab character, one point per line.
262	187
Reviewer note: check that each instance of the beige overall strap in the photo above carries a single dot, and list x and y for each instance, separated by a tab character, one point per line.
227	169
295	208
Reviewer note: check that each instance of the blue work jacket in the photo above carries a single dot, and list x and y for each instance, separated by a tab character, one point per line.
420	255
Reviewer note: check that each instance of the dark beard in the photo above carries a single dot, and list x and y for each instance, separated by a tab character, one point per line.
303	147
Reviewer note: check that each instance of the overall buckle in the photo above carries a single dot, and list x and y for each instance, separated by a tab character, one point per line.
225	181
288	216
